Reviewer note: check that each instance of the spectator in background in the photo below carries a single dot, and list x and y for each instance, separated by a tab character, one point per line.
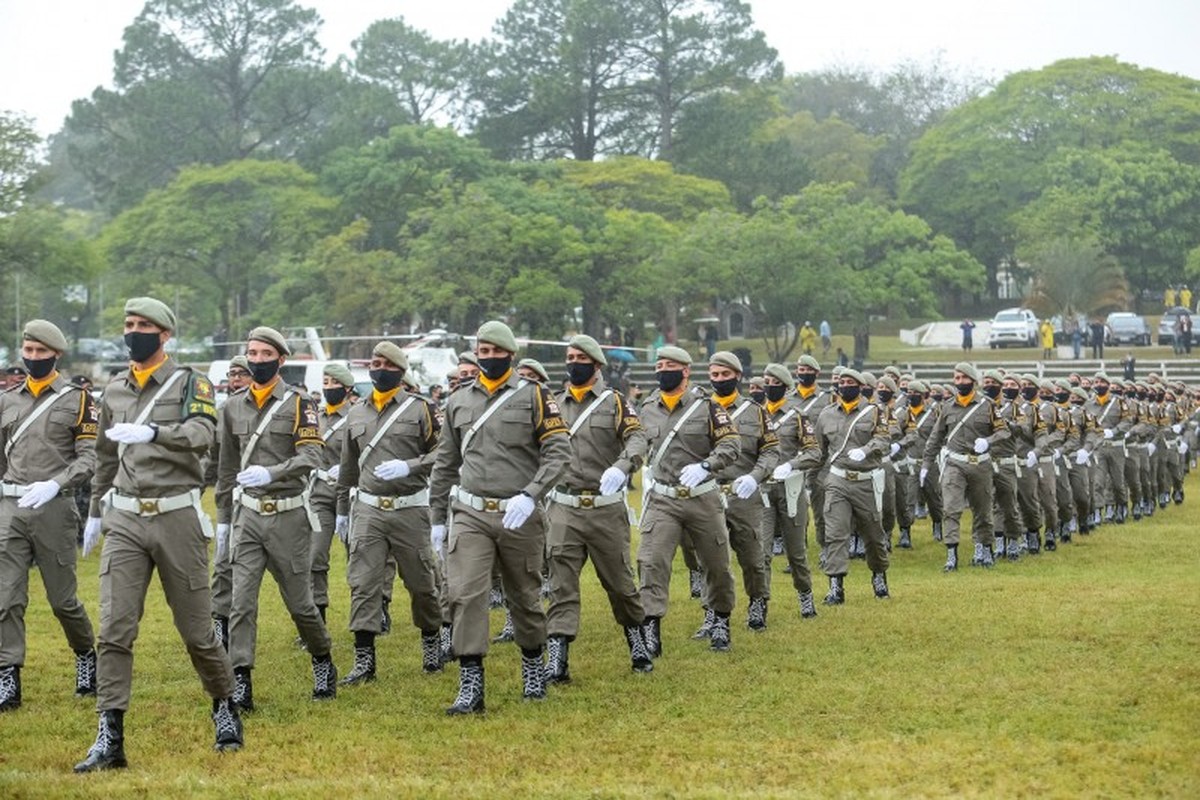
1097	331
710	340
808	338
1185	297
1046	331
1129	367
1170	298
1185	332
968	329
826	338
842	359
1076	333
1177	335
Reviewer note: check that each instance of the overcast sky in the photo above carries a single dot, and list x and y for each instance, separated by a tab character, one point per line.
55	51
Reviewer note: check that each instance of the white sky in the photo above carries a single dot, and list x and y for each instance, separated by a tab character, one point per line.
55	51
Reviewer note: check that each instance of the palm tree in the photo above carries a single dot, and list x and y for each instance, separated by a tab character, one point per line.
1073	277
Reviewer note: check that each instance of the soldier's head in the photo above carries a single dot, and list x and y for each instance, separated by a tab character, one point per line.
238	376
992	384
42	345
885	389
584	359
532	370
336	383
468	368
1010	387
388	365
672	367
807	370
776	382
1075	379
1078	396
724	373
1101	384
148	326
266	352
850	385
918	393
966	376
495	346
758	390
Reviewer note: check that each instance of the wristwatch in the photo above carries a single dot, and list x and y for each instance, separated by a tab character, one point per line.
707	466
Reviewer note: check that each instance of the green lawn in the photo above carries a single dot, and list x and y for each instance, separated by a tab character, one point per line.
1068	674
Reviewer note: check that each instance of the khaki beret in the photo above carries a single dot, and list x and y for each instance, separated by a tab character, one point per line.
808	361
40	330
467	357
496	333
852	374
757	382
340	372
724	358
967	369
994	374
1101	376
241	362
892	371
937	387
868	378
1029	377
156	311
590	347
906	376
888	383
780	373
1046	384
270	336
673	353
838	370
536	366
392	352
917	385
1062	383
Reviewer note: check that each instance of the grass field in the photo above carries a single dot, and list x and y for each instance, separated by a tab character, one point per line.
1068	674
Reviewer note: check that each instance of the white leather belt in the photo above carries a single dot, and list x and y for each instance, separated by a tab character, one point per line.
1136	445
964	458
478	503
591	500
852	475
1010	460
1113	442
1046	459
272	505
324	476
152	506
683	492
13	489
395	502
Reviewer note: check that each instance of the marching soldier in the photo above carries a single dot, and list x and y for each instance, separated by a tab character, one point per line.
270	444
156	424
922	413
386	459
587	513
1006	465
337	382
503	446
1077	453
1114	421
691	440
47	450
853	436
1028	436
799	454
532	370
812	400
1046	448
236	379
967	426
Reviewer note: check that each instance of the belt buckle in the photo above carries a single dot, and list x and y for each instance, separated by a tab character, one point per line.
727	489
386	503
148	506
268	506
682	492
586	501
851	475
491	505
972	459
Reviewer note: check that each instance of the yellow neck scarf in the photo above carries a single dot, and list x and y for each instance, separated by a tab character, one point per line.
143	375
493	385
725	400
775	405
380	399
35	387
579	392
260	395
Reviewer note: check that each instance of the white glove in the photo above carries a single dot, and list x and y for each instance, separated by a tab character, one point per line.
91	535
981	446
341	527
437	538
38	494
693	475
1183	448
1109	433
1081	457
222	540
254	476
1057	454
857	454
923	476
612	481
335	471
128	433
895	449
391	470
782	471
744	486
1151	448
1031	460
520	506
1178	428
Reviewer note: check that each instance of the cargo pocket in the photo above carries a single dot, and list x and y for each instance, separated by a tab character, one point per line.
66	558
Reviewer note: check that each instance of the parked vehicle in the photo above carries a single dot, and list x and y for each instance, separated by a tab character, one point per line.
1166	326
1014	326
1125	327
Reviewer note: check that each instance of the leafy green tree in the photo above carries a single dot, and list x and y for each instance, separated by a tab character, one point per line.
650	186
18	159
424	74
1073	277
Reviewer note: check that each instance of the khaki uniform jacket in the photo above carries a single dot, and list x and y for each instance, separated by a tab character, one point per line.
1049	431
760	444
1145	428
1015	414
290	446
60	445
611	436
918	426
412	438
870	433
331	454
797	435
708	435
1114	413
523	447
982	424
173	463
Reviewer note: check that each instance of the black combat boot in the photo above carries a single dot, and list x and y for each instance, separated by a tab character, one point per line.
363	670
470	687
937	531
431	652
507	633
228	726
719	641
10	688
558	659
837	594
705	629
905	539
696	583
808	608
221	629
243	689
756	614
385	618
951	558
533	675
447	642
652	635
85	673
109	750
639	656
1033	542
324	678
879	584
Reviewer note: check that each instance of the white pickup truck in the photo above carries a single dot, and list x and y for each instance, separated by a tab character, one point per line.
1014	326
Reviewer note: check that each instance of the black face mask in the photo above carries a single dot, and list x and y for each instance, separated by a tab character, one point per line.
40	367
1077	402
964	389
776	393
386	379
495	368
1075	384
724	388
759	397
261	372
849	393
916	400
1010	392
1029	393
992	391
868	392
1141	395
885	396
669	379
806	379
1062	397
334	395
142	345
1101	390
580	372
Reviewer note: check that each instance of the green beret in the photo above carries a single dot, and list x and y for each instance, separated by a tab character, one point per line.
893	371
340	372
589	346
240	361
467	357
888	383
673	353
724	358
780	373
1046	384
392	352
40	330
270	336
536	366
853	374
1080	393
968	370
808	361
907	376
838	370
1029	377
757	382
869	378
156	311
995	375
496	333
918	386
937	387
1101	376
1062	383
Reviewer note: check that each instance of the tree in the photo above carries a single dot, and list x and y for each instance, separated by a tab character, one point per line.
18	159
425	75
650	186
1074	277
